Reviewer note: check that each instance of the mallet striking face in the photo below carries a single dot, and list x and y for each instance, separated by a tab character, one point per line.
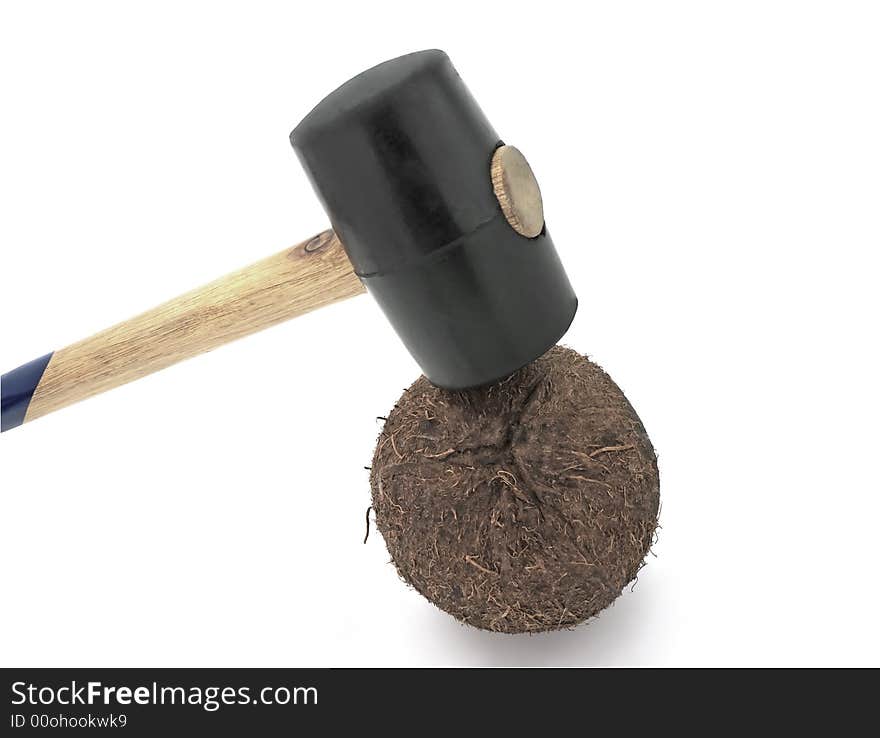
431	212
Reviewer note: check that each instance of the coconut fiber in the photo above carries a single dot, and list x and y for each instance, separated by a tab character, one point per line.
523	506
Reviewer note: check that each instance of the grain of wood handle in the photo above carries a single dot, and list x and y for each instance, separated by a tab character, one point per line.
308	276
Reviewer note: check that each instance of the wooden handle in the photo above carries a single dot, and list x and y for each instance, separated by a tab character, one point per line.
308	276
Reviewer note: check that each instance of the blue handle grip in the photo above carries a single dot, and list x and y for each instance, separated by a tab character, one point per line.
16	389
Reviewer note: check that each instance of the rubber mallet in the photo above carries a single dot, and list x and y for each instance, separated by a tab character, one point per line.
431	213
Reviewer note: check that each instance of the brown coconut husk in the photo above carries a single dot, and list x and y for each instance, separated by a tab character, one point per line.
523	506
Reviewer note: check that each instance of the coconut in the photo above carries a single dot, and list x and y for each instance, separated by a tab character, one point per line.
523	506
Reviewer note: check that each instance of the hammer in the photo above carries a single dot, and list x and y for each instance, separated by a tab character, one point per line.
430	212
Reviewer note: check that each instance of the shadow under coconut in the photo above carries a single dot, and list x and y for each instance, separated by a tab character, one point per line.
609	639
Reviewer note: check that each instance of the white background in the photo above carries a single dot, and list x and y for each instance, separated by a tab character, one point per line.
711	176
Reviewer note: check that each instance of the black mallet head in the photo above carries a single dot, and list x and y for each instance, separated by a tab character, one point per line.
442	222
